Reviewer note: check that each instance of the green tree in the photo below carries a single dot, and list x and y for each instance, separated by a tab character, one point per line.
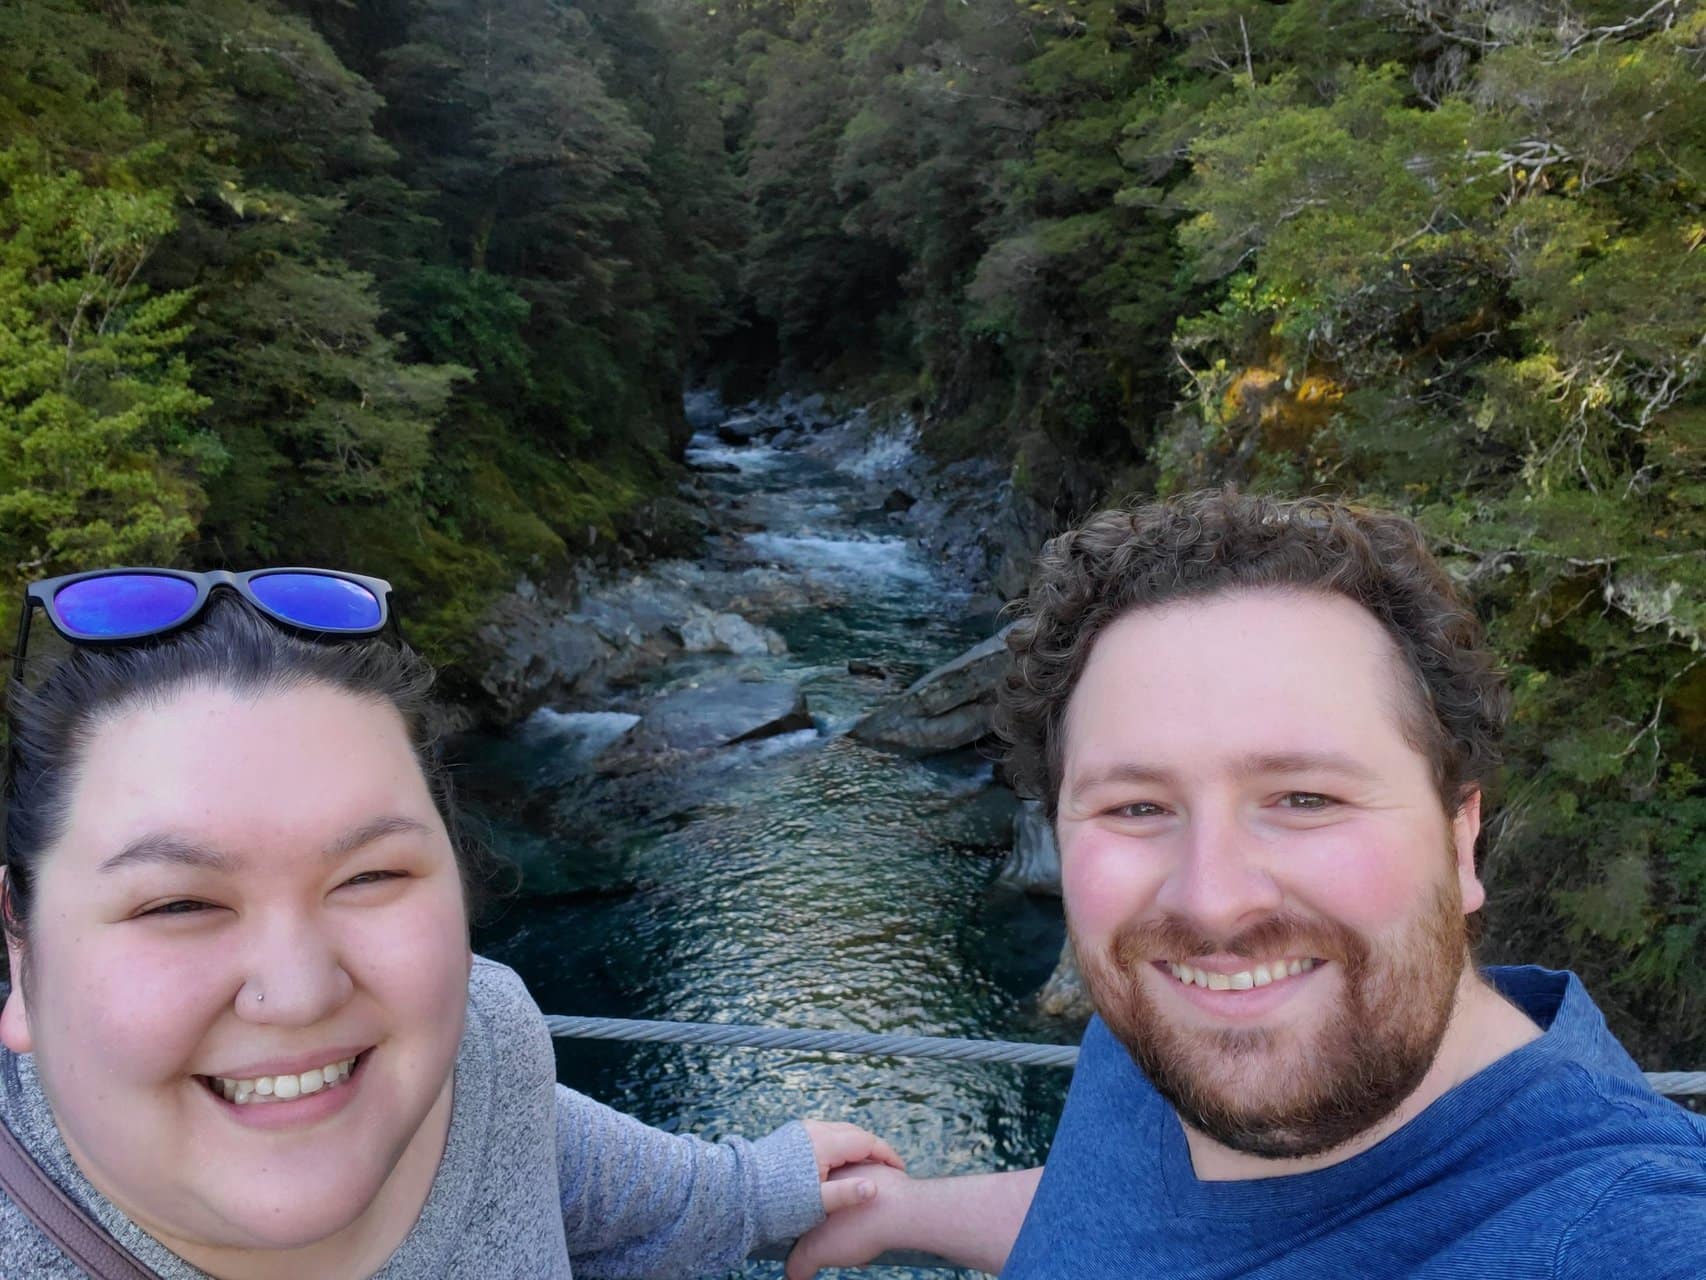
822	287
99	453
1081	286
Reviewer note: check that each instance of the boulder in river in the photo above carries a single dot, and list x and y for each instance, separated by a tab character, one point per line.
899	500
950	707
1064	996
702	407
744	428
532	654
1034	863
703	717
706	632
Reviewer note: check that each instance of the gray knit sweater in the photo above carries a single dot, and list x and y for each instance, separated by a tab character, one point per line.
534	1176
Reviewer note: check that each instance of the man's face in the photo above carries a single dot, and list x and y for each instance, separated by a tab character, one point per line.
1265	893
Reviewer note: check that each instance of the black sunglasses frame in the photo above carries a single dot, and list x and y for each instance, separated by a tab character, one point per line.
41	595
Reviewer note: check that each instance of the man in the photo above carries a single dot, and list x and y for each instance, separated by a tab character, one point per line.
1263	731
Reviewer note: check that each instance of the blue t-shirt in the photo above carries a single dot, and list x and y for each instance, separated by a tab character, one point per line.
1556	1161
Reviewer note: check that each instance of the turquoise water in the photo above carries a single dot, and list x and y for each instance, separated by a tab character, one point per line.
802	881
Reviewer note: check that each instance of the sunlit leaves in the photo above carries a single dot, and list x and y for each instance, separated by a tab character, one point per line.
1333	193
98	448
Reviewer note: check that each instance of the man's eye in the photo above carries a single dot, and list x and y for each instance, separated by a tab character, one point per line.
1305	800
1137	809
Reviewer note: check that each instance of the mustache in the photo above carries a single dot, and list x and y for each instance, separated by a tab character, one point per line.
1173	938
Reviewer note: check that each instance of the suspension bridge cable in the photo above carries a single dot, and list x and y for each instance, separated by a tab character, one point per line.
896	1045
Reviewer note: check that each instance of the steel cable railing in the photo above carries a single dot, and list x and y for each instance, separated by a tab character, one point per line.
896	1045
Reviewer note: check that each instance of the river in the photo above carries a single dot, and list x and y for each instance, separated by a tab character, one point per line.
802	880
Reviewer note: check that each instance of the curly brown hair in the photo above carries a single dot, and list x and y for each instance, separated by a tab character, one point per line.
1220	540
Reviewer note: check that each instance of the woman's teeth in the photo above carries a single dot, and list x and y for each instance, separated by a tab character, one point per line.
282	1088
1244	979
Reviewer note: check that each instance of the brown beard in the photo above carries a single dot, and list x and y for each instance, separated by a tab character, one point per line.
1372	1053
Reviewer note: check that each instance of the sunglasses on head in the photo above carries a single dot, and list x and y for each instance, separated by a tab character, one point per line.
111	606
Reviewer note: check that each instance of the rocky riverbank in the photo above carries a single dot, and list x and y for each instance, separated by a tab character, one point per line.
570	646
682	659
1034	867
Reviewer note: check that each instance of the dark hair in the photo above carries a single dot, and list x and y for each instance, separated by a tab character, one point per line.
230	646
1218	541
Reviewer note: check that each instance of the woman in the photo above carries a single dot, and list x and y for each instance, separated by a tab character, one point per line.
246	1035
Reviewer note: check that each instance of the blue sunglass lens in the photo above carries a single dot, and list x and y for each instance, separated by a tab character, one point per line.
124	604
317	601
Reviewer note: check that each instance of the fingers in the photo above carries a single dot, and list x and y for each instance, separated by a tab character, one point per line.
844	1193
881	1151
799	1267
836	1143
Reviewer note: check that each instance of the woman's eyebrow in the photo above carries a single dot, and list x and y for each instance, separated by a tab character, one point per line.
163	847
368	832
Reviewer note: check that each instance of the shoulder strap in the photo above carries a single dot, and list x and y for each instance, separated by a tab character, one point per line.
61	1219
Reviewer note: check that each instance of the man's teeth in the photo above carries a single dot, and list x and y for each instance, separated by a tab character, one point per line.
283	1088
1244	979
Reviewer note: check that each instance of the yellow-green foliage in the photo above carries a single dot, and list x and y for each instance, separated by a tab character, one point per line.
98	446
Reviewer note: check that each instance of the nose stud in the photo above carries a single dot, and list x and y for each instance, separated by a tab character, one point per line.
260	996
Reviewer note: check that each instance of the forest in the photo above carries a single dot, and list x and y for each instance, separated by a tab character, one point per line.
414	287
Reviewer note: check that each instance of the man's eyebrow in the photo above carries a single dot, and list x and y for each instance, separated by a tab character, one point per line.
1251	766
163	847
1304	762
156	847
1121	773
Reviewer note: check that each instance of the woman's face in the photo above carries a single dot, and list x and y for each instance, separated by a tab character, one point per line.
248	888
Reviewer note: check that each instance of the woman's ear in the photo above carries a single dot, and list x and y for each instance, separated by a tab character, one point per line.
15	1017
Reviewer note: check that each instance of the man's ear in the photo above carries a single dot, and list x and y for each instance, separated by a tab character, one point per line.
1465	828
15	1017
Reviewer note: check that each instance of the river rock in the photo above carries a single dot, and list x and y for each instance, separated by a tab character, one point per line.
532	654
1034	863
708	632
950	707
973	521
703	717
1063	996
1015	536
743	428
899	500
702	407
567	646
